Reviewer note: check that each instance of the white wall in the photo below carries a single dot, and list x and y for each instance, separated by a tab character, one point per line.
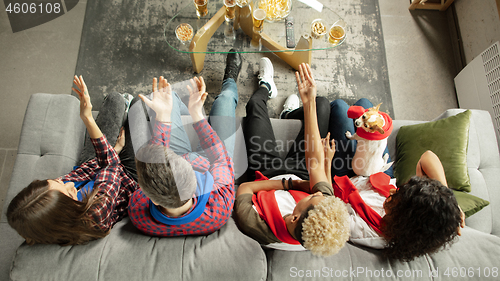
479	24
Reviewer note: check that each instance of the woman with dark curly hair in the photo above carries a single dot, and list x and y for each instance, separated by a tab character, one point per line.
418	218
422	216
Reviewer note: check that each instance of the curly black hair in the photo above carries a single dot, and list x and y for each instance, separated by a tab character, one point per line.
421	218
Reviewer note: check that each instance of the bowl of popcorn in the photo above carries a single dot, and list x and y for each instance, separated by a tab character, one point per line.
318	28
276	10
184	32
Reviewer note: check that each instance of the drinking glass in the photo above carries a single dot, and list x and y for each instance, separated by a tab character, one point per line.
336	34
258	16
258	19
230	9
201	7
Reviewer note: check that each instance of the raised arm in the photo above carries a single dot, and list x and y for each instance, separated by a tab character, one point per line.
197	97
221	166
105	153
161	103
429	165
315	156
86	108
329	149
209	140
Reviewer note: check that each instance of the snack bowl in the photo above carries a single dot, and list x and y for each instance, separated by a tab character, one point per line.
184	32
276	10
318	28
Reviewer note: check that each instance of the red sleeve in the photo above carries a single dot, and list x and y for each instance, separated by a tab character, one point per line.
161	134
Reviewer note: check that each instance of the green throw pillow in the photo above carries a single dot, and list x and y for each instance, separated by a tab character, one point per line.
470	204
448	138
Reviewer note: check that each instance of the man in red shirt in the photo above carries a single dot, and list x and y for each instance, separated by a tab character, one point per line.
184	192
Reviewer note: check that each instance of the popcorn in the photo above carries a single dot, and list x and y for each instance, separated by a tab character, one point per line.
184	32
318	29
276	9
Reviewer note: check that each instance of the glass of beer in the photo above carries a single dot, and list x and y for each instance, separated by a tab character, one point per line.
230	8
201	7
258	19
336	34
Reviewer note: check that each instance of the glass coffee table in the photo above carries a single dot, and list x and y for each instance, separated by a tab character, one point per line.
212	33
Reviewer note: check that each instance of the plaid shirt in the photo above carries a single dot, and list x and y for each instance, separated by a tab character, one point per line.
221	200
114	185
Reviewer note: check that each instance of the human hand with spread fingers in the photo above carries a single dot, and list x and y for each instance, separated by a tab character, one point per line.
306	83
197	97
161	101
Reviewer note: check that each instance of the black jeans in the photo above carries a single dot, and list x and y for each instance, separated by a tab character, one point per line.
110	120
261	143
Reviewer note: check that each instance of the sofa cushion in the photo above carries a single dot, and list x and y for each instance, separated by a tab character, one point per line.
474	251
469	203
448	138
127	254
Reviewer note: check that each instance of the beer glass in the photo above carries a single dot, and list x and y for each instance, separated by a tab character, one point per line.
201	7
230	9
336	34
258	19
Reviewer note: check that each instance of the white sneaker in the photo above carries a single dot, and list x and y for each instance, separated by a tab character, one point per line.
128	99
266	74
291	103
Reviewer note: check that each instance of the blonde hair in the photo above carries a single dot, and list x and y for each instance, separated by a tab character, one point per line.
327	227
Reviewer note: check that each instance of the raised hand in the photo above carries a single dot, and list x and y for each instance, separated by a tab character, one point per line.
86	108
306	83
329	147
83	94
162	101
197	97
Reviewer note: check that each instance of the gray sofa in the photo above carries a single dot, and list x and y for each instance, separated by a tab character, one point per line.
52	137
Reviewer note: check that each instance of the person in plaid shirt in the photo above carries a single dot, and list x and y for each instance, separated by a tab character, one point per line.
55	212
184	192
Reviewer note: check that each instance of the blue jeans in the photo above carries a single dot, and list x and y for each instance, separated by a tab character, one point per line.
345	148
222	116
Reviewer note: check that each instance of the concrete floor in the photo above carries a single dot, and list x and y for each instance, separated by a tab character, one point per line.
418	45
